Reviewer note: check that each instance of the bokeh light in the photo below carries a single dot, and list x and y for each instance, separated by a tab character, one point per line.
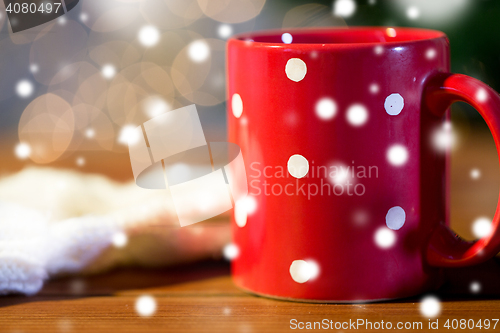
430	307
326	108
244	207
24	88
149	36
237	105
444	138
128	135
431	53
225	31
374	88
339	173
286	38
344	8
155	105
397	155
385	238
231	251
145	305
482	227
199	51
475	173
475	287
108	71
22	150
302	271
481	95
80	161
357	115
413	12
84	17
90	133
119	239
34	68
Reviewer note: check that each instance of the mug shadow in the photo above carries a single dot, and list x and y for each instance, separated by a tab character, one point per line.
480	282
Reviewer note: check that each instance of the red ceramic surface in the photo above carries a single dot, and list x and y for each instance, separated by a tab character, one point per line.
371	98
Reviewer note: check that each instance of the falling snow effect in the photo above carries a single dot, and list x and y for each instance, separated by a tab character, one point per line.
357	115
481	95
475	174
128	135
244	207
119	239
80	161
475	287
155	105
397	155
302	271
385	238
344	8
413	12
482	227
444	139
431	54
430	307
326	108
286	38
34	68
198	51
145	305
231	251
22	150
225	31
149	36
90	133
24	88
374	88
108	71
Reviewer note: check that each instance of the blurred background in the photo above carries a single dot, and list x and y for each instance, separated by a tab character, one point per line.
72	89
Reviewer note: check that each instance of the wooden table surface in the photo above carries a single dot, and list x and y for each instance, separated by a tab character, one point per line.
200	297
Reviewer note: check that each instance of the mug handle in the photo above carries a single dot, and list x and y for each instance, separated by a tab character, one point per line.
446	248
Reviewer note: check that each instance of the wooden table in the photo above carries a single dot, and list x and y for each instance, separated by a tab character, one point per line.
200	297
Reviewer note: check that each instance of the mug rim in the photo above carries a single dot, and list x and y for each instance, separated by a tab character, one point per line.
359	36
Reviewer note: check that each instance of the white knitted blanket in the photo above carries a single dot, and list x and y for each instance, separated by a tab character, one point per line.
55	222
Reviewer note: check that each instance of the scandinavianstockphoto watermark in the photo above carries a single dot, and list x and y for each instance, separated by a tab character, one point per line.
329	180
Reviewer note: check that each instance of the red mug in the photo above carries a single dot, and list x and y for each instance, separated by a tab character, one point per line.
348	189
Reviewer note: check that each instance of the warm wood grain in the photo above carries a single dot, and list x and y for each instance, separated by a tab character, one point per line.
201	297
211	303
